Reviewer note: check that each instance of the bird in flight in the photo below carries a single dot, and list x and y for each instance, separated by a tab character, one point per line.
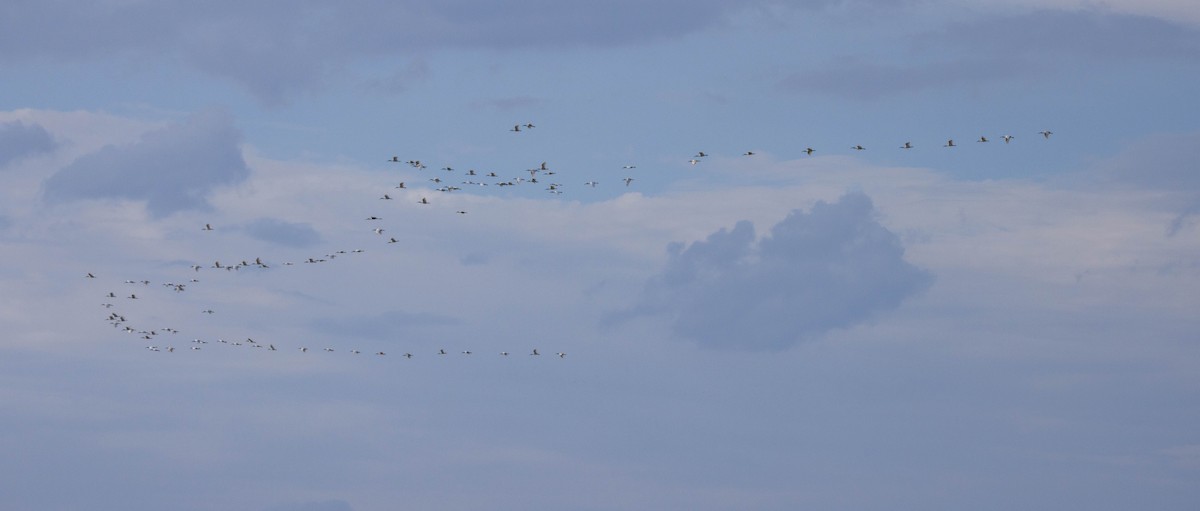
907	145
1046	133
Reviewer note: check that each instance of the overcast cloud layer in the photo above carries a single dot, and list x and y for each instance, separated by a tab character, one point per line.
842	255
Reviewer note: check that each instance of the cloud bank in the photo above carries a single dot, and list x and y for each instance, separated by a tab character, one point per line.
833	267
19	140
172	168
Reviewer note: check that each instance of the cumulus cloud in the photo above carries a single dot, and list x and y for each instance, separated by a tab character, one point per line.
833	267
19	140
172	168
280	232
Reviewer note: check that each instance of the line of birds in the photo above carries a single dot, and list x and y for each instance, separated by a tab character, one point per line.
118	320
476	178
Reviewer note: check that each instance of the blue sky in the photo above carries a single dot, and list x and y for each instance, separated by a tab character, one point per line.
991	325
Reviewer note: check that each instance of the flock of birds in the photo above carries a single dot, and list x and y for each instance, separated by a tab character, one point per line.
164	339
475	179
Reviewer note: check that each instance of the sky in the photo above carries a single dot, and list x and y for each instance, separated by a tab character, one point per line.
226	225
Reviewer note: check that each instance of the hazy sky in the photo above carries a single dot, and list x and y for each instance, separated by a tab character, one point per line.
990	325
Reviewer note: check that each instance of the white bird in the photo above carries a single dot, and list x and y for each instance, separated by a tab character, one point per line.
1046	133
1008	138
